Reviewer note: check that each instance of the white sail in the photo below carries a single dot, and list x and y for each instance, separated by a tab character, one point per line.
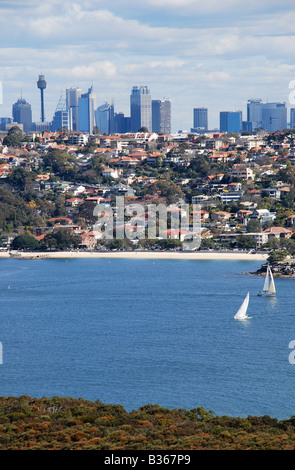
269	285
266	281
242	312
272	288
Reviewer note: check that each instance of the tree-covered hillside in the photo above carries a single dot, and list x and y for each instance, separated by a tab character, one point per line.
76	424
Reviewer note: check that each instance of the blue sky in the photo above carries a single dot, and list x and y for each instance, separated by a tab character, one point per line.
214	54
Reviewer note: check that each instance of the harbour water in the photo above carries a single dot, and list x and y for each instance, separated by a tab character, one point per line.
135	332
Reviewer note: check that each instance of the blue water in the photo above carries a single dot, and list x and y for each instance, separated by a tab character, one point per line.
136	332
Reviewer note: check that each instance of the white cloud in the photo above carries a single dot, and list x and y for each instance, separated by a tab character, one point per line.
189	50
104	69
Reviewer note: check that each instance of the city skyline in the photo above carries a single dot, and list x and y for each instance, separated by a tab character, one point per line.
78	111
215	55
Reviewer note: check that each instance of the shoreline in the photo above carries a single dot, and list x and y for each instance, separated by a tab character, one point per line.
172	255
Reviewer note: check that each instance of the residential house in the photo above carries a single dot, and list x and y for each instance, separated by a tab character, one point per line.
74	201
112	173
278	232
202	213
89	239
125	162
177	234
231	196
243	215
240	170
199	199
273	193
291	221
264	215
77	189
220	216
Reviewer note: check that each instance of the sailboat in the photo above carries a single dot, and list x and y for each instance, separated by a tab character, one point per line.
269	289
242	312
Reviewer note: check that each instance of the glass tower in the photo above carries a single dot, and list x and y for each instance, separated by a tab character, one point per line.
86	111
231	121
140	108
105	118
274	117
161	116
72	105
22	114
201	118
254	113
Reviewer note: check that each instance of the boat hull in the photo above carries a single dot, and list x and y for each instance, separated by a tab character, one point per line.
266	294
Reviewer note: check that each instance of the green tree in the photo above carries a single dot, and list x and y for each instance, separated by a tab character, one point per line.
14	137
208	243
200	166
22	179
60	162
245	241
167	189
253	226
60	239
25	241
276	256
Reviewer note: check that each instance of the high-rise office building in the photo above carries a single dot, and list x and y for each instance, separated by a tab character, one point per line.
274	117
72	105
292	118
60	120
140	108
122	123
231	121
22	114
161	116
5	121
254	114
61	117
86	111
105	118
271	117
200	119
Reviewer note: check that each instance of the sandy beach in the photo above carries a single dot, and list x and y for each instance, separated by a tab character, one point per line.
173	255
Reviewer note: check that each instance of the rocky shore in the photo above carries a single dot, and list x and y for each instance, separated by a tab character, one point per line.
279	269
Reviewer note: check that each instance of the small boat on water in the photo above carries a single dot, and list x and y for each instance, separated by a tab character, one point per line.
242	312
269	288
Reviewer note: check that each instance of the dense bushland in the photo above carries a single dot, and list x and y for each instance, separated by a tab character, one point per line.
61	423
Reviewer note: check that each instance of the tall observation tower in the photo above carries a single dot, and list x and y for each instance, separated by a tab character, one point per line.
42	85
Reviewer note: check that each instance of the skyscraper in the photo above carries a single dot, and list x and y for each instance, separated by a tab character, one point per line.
61	117
292	118
86	111
231	121
254	113
41	84
22	114
140	108
122	123
72	105
200	119
274	117
161	116
105	118
271	117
